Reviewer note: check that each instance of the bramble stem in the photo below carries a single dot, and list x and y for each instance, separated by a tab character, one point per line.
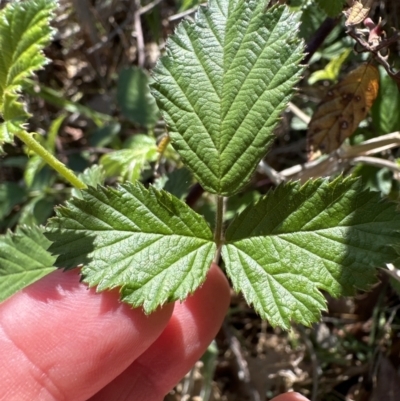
219	223
35	146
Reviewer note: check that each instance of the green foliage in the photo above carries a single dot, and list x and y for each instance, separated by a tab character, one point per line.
299	239
24	32
23	259
374	178
105	135
187	4
11	194
57	98
176	183
331	70
92	176
223	85
385	111
292	243
37	210
127	164
134	99
331	7
147	242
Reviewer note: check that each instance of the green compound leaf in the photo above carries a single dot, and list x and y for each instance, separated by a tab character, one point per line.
24	31
24	259
147	242
298	240
223	84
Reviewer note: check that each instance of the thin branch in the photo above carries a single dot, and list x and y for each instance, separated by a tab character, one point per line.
149	6
322	167
314	361
219	227
299	113
104	40
319	37
139	34
343	157
373	146
243	372
376	162
271	173
374	50
184	13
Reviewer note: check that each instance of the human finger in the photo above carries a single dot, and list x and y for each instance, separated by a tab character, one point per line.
192	327
60	340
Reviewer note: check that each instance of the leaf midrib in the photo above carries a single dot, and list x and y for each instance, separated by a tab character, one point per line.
251	69
270	277
171	265
286	237
114	231
13	60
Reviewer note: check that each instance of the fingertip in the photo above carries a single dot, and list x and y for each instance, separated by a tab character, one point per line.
214	293
66	334
193	325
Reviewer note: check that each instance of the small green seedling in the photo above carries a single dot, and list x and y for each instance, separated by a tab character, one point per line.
221	87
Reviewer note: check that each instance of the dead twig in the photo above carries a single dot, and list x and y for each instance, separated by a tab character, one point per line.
243	373
299	113
139	34
149	6
376	162
343	157
373	146
314	361
271	173
375	46
184	13
117	31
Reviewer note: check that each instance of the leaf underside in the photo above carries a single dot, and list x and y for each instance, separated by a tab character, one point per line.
147	242
24	259
223	84
298	240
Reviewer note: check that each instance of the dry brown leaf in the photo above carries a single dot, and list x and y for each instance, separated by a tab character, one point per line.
344	106
358	12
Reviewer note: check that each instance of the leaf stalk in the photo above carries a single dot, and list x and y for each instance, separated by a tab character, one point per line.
53	162
219	224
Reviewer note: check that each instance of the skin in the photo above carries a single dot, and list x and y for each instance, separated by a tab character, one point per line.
60	340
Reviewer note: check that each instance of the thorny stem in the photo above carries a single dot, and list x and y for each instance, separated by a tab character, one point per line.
219	223
35	146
